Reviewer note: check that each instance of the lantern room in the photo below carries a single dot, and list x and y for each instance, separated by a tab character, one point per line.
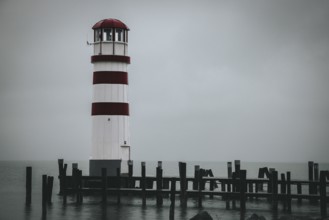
110	37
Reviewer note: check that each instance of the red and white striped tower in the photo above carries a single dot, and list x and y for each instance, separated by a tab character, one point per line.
110	108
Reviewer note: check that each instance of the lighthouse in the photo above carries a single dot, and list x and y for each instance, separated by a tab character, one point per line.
110	107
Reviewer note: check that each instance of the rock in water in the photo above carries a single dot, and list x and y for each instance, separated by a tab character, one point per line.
256	217
202	216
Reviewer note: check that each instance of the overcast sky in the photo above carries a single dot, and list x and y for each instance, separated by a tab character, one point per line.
208	81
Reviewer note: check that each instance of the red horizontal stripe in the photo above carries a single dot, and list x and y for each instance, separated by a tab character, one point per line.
109	108
110	77
114	58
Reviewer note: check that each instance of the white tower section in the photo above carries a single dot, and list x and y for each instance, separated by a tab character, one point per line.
110	107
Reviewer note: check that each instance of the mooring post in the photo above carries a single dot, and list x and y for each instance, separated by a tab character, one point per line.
104	185
50	182
182	174
63	182
118	185
227	197
299	192
274	190
159	199
234	189
237	165
323	193
316	178
196	180
289	192
310	178
243	189
261	175
44	194
200	190
172	199
283	190
28	186
80	197
229	169
130	174
60	171
74	166
251	189
143	183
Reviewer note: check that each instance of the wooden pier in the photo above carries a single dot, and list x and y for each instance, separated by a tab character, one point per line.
234	190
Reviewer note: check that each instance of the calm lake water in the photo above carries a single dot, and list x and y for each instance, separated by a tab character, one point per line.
12	194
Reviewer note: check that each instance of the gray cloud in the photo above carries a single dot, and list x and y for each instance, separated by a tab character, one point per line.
219	80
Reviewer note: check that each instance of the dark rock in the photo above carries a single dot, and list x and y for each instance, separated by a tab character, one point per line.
202	216
256	217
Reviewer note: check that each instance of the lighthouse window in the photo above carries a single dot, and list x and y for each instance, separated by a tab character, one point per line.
108	34
98	35
119	34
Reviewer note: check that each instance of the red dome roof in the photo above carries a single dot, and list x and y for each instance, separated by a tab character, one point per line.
110	23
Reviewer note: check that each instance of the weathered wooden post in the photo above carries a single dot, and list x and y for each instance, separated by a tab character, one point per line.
310	178
104	185
80	186
243	189
159	186
28	186
74	166
283	190
323	193
288	192
234	189
229	169
196	174
44	194
200	190
50	182
172	199
131	184
143	182
299	192
316	178
118	185
182	174
60	171
274	184
237	165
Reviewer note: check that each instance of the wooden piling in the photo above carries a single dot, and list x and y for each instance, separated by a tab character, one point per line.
104	185
44	194
288	174
118	185
274	175
237	165
131	184
50	182
310	178
243	189
200	190
74	166
172	199
299	192
229	169
323	193
159	199
143	183
283	190
63	183
316	178
196	180
28	186
182	174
